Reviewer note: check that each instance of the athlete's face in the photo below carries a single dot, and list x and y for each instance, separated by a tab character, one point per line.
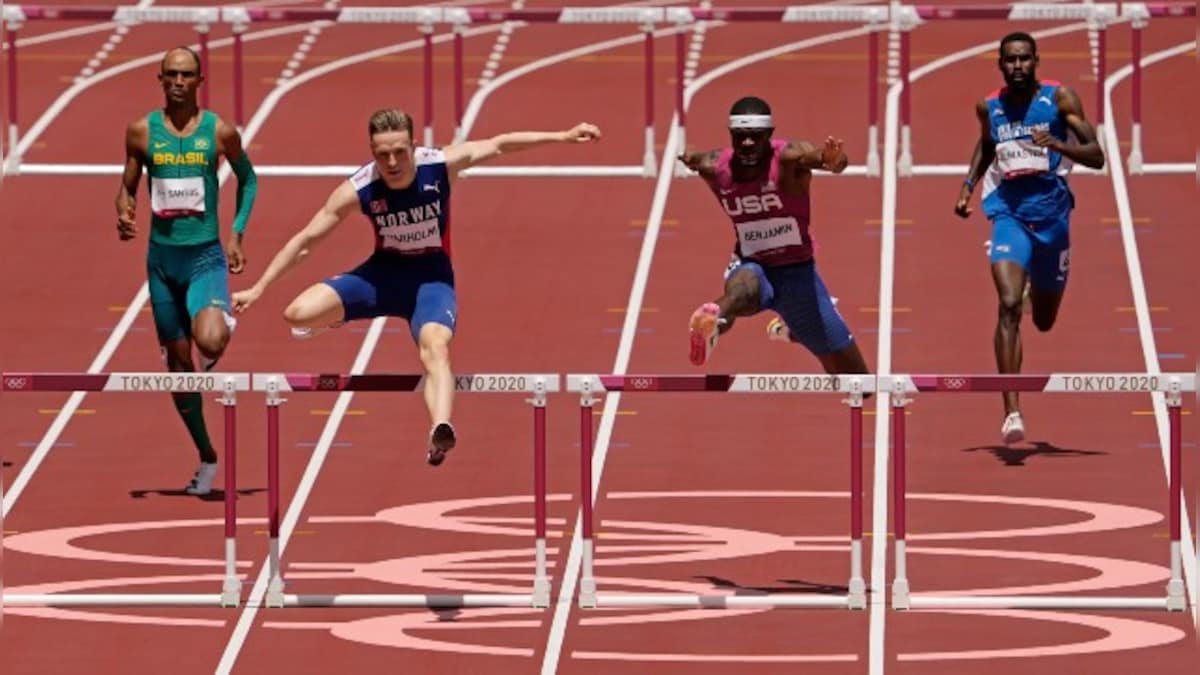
393	154
1018	64
750	146
180	76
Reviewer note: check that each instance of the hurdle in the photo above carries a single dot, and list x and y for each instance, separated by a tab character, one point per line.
1171	385
277	384
1140	14
1098	15
852	386
227	384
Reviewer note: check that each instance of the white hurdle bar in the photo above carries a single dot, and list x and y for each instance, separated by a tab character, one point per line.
227	384
1172	385
537	384
854	387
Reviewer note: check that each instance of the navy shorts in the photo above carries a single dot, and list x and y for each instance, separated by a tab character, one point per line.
417	289
1042	249
797	294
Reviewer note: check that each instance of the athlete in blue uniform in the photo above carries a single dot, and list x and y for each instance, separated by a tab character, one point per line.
1023	157
405	194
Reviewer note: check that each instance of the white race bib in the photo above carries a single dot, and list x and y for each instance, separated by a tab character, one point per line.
771	233
408	238
177	196
1021	157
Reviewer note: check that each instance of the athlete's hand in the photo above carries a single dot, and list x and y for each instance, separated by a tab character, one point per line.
1043	139
832	157
126	224
243	299
237	259
693	159
961	207
582	133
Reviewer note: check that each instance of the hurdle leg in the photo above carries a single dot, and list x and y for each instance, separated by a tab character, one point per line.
275	586
587	578
1176	596
231	589
857	598
541	581
900	594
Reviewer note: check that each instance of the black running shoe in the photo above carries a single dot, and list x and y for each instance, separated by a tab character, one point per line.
441	441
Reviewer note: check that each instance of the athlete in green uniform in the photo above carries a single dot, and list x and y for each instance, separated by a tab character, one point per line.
180	146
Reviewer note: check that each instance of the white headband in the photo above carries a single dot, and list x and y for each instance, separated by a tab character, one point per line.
751	122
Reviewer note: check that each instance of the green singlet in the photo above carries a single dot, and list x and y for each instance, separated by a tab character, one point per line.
183	182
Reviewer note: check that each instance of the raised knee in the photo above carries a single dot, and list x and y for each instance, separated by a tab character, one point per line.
295	314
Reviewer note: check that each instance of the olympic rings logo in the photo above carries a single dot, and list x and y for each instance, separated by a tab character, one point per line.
641	383
15	383
328	382
954	382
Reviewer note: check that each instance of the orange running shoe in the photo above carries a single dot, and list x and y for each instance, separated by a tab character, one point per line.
703	332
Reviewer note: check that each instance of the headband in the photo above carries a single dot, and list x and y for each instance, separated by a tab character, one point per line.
751	122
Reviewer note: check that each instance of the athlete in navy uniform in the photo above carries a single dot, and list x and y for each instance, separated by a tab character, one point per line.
405	194
1024	158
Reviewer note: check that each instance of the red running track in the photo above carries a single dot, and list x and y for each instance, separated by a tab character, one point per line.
544	287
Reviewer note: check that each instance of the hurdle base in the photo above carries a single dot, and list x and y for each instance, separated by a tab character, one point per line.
691	601
857	598
1176	598
432	600
920	601
541	592
901	598
112	600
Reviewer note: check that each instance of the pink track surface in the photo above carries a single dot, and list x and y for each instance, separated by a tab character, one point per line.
545	267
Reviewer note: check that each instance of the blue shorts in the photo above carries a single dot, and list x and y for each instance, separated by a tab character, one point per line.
417	289
1042	248
797	294
183	280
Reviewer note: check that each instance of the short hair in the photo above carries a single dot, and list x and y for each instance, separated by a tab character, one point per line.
182	48
750	105
390	119
1018	37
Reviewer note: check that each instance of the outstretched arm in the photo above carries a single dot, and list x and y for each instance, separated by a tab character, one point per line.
981	159
469	153
805	155
1087	152
341	203
702	162
137	135
231	146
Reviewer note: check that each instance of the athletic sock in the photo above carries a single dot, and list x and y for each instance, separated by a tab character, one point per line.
190	409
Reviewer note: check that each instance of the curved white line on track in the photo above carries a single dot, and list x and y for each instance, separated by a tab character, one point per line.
612	400
143	295
316	461
887	258
1140	302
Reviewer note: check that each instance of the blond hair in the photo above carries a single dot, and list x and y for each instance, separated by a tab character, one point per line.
390	119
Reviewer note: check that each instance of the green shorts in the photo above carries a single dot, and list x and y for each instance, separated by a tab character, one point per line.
183	281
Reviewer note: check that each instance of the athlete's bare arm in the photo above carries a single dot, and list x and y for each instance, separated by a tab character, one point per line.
981	159
702	162
137	138
804	155
1088	152
469	153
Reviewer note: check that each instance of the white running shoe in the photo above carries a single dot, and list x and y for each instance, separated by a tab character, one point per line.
1013	429
202	482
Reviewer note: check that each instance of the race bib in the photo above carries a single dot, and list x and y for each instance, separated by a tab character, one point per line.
409	238
171	197
764	235
1021	157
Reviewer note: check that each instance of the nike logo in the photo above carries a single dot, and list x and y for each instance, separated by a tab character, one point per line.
160	145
